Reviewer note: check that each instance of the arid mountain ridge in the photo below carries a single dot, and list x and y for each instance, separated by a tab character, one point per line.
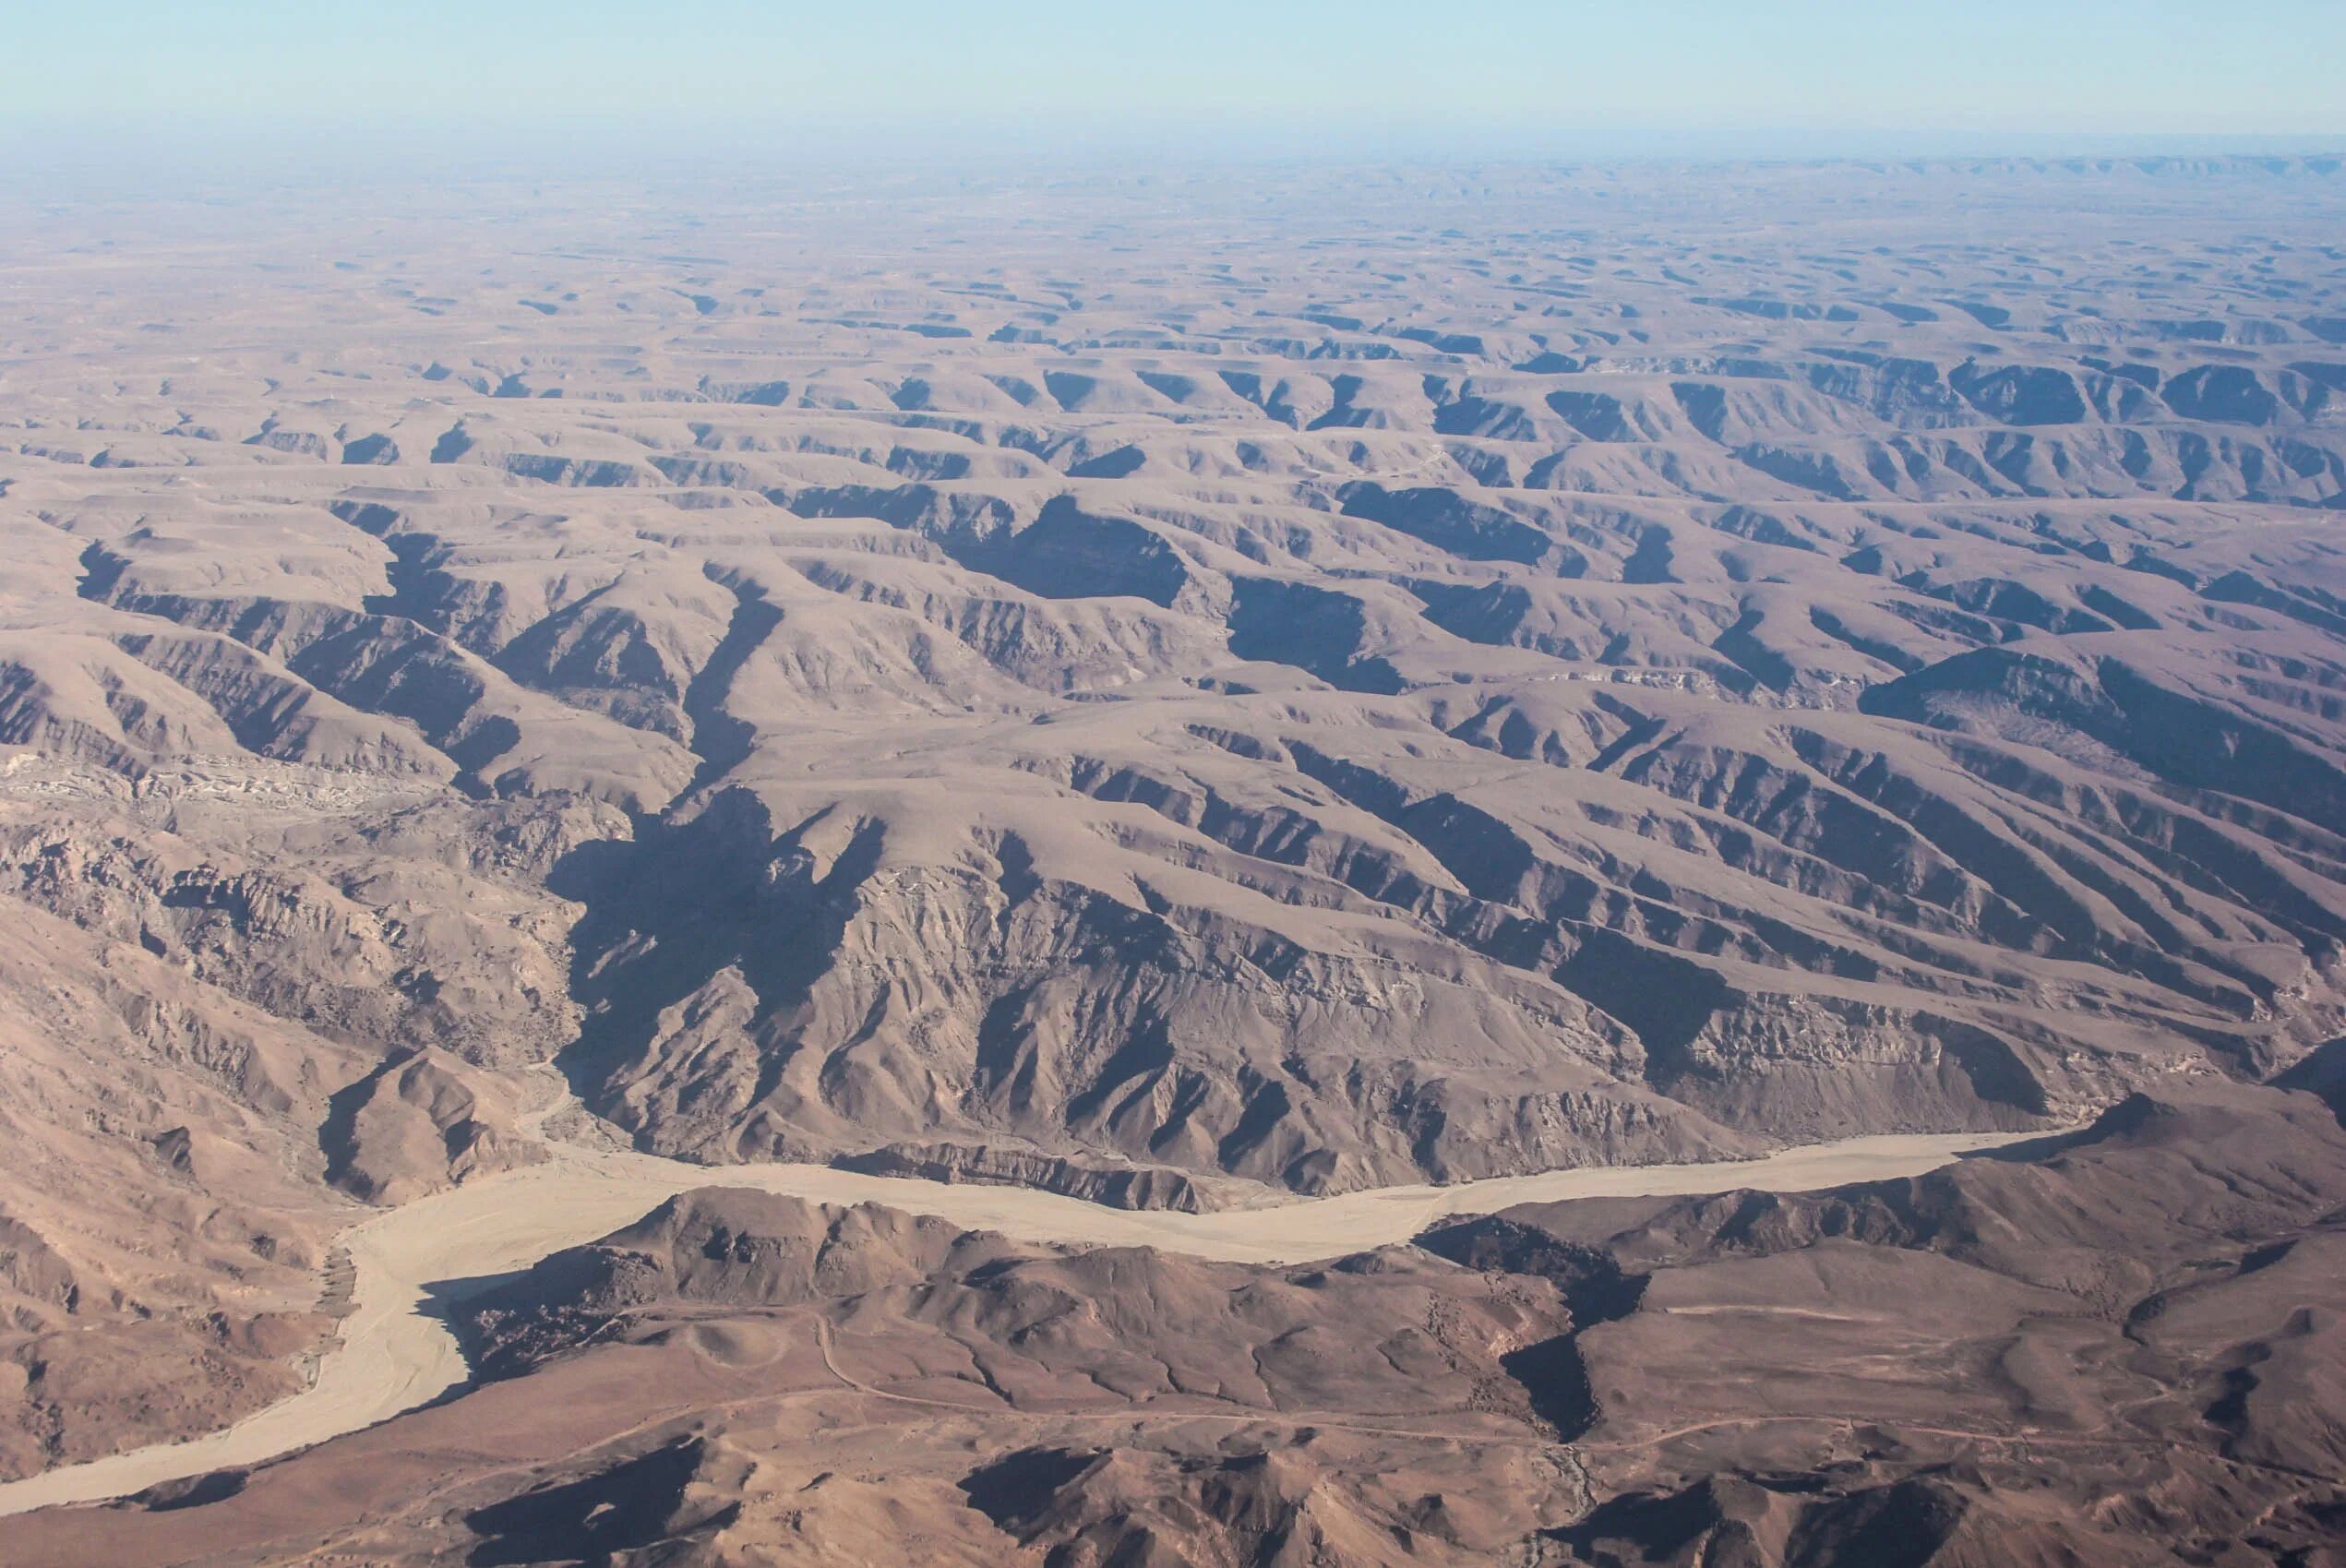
1322	681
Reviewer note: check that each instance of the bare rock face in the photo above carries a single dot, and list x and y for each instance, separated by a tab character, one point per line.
1364	680
420	1123
1117	1187
159	1247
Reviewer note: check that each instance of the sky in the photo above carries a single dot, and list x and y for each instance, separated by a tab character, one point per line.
1535	76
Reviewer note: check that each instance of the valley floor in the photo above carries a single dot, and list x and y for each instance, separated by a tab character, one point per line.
396	1352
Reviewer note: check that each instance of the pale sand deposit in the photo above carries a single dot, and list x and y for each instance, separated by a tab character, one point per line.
394	1356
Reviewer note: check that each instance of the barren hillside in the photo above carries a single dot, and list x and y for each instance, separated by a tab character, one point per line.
1150	687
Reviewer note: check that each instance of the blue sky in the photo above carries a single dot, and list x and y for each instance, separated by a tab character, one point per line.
1491	70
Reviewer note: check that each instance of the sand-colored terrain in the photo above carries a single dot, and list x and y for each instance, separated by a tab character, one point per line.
395	1353
2108	1350
1184	693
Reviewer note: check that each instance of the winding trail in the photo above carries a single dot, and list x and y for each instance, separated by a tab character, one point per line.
396	1354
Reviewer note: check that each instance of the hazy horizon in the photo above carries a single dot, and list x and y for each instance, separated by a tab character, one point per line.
60	157
136	81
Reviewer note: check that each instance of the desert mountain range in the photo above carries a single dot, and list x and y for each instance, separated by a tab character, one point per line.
1187	691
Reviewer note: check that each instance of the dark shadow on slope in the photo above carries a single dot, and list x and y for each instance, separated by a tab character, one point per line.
684	902
1315	629
1665	999
719	739
1553	1373
635	1503
190	1491
2320	1072
1018	1487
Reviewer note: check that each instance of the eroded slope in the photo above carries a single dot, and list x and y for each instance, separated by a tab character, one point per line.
1424	676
